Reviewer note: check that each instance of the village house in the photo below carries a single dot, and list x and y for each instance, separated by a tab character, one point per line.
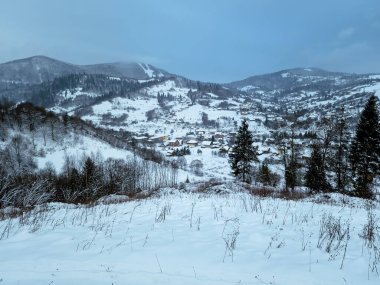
175	142
224	149
158	139
140	139
206	144
218	136
192	143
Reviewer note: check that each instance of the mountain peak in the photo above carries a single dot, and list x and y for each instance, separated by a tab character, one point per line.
40	68
286	78
35	58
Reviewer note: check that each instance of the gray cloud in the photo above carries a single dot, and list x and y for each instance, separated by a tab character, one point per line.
346	33
202	39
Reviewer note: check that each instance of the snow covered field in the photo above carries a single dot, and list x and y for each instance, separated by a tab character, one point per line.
189	238
79	147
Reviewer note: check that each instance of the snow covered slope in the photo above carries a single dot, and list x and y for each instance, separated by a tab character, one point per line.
38	69
182	238
44	139
78	147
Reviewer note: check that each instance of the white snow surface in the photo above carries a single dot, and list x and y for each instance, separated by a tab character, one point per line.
374	88
247	88
72	94
148	71
78	148
168	86
181	238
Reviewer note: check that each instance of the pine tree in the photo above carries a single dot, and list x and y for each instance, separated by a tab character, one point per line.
291	152
365	150
88	172
316	175
327	135
264	174
243	154
340	156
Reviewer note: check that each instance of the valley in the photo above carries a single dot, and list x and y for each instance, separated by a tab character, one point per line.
129	176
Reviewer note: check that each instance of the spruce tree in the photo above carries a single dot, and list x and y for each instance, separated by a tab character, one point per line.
316	175
365	150
291	162
264	174
88	172
340	157
243	154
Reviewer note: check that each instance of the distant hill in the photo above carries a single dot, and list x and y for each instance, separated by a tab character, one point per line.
38	69
289	78
144	99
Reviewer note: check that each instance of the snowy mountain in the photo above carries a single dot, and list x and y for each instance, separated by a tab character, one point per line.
290	78
309	92
38	69
127	70
147	100
144	98
33	70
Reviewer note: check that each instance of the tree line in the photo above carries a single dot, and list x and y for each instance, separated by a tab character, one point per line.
26	131
44	94
340	160
83	180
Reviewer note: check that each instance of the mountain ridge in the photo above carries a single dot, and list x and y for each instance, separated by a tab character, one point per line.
137	70
103	88
287	78
40	68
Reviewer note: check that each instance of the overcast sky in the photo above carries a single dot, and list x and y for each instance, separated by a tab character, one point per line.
210	40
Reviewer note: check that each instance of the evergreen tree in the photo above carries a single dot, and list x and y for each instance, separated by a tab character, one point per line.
316	175
340	157
266	176
65	119
243	154
327	135
263	175
88	172
365	150
291	153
